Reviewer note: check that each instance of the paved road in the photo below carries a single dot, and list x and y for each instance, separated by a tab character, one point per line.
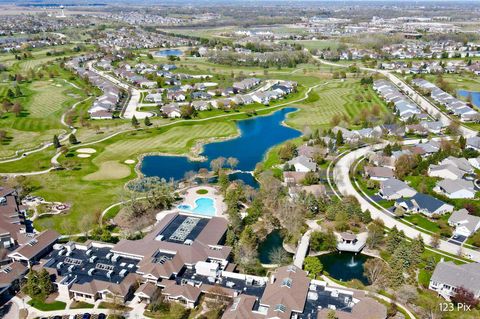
425	104
131	108
345	187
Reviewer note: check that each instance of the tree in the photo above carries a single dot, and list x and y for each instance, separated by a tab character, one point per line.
232	162
279	256
435	241
387	151
147	121
339	138
465	296
462	142
56	142
72	139
3	136
399	211
18	92
375	234
17	109
313	266
323	241
375	270
217	164
134	121
10	94
287	151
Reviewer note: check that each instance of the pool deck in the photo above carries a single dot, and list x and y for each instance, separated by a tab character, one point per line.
191	196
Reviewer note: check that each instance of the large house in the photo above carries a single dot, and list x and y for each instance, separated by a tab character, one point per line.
448	277
465	224
289	293
425	204
379	173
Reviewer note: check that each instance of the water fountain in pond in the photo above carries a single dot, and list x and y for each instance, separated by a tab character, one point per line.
352	263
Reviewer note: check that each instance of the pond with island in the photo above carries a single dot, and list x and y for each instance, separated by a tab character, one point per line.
257	136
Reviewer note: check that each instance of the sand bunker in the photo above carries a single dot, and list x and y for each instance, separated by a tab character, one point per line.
84	155
86	150
210	84
129	161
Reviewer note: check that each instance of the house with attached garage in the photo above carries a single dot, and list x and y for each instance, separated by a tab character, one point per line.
475	162
460	162
171	110
446	171
392	189
379	173
303	164
465	224
448	277
425	204
473	143
456	188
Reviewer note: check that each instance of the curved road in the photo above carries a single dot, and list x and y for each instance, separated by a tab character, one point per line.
425	104
341	176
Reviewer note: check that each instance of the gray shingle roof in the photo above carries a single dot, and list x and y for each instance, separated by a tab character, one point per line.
467	275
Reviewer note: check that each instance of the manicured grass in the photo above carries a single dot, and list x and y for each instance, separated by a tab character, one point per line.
81	305
423	222
43	306
335	98
43	104
202	191
109	170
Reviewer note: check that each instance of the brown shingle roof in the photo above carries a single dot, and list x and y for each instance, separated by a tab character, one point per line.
42	241
289	289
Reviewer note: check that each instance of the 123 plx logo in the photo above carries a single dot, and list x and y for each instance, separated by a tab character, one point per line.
450	306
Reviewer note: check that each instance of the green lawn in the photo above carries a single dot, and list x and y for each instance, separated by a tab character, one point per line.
43	104
335	98
43	306
81	305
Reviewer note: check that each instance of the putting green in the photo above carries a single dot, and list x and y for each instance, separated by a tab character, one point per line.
109	170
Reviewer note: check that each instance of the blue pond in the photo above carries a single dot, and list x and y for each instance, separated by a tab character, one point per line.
203	206
257	136
174	52
475	96
345	266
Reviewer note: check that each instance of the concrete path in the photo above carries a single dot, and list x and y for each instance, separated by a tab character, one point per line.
302	249
341	175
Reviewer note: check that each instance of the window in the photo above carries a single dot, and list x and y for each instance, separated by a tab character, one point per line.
280	307
287	282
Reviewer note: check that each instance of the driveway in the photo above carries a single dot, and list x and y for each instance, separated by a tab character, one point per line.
344	185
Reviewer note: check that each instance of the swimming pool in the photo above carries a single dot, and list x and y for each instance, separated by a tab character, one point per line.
203	206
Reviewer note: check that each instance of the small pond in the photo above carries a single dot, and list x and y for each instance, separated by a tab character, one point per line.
475	96
272	241
345	266
169	52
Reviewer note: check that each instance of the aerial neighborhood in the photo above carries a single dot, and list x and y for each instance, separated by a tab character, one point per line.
240	160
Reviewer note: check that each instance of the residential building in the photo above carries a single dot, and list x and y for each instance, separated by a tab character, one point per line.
392	189
303	164
425	204
457	188
465	224
448	277
379	173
